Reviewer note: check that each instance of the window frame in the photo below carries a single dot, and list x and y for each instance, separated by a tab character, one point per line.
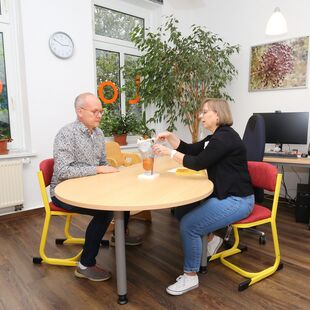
115	40
14	65
116	45
4	16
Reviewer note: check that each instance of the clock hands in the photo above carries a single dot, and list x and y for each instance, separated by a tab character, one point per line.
60	42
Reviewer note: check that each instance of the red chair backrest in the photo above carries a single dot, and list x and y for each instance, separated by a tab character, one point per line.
263	175
47	168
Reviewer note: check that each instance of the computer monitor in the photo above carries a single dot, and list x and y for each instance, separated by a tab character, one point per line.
286	127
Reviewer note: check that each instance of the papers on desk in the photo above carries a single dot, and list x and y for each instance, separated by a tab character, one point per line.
186	171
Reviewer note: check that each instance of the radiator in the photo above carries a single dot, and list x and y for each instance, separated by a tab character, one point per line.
11	183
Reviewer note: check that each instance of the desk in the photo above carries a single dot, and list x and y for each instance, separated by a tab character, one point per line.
123	191
298	162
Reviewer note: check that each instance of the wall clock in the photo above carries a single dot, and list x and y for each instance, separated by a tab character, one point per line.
61	45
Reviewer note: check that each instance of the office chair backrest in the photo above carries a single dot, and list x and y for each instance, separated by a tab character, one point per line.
254	138
263	175
47	168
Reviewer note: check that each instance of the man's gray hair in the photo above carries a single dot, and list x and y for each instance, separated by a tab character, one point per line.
80	99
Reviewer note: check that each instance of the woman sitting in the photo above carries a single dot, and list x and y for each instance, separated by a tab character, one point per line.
224	156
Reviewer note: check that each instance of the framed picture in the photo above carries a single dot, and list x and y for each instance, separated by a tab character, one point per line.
279	65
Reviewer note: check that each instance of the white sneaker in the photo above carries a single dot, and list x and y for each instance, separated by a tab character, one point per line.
214	245
184	284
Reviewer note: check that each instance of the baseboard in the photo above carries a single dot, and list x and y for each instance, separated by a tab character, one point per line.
21	214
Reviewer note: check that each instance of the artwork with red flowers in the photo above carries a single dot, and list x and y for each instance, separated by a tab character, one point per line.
279	65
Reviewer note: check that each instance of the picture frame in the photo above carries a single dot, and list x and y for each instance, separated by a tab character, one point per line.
279	65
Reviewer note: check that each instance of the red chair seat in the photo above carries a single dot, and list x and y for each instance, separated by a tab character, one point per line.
258	213
55	208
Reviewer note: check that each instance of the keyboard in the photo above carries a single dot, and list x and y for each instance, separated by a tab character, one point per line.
280	154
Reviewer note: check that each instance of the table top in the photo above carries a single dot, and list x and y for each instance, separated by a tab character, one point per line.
124	191
289	161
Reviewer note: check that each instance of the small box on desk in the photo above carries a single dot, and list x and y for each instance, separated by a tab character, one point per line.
302	208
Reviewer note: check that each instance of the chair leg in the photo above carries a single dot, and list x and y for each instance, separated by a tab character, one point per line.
69	239
72	261
144	215
254	277
204	258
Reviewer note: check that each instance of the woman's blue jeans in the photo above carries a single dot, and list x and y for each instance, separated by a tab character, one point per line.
210	215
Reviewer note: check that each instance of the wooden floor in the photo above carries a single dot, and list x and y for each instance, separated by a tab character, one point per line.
150	268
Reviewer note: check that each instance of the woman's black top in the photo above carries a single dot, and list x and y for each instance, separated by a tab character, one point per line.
223	154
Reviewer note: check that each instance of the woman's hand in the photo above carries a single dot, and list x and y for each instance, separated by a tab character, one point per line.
106	169
163	136
162	150
170	137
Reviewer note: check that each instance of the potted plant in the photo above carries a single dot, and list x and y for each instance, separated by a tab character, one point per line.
177	72
4	139
144	130
118	125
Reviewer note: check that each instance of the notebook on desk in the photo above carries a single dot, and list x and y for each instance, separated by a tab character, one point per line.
281	154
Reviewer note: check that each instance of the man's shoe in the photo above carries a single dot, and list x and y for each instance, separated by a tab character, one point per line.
184	284
93	273
129	240
214	245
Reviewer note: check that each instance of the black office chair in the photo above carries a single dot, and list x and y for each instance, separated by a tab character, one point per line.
254	141
254	138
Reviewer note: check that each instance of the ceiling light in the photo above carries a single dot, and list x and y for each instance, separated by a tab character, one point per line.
276	24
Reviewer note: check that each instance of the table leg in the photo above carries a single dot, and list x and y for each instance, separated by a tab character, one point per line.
120	257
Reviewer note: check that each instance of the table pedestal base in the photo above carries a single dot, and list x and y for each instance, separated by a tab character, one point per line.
120	255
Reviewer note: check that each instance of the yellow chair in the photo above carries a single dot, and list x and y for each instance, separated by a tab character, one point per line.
116	158
45	175
265	176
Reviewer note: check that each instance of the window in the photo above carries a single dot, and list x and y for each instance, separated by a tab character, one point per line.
108	69
113	24
113	48
12	103
129	60
4	104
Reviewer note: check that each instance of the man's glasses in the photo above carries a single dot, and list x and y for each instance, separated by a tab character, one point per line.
95	113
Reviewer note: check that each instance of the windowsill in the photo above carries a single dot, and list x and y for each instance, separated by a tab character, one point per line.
129	146
17	154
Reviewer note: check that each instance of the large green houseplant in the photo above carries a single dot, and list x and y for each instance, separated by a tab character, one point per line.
177	72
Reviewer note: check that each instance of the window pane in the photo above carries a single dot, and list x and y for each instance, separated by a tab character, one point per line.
113	24
4	106
108	69
131	92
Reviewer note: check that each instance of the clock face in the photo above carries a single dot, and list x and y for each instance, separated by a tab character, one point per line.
61	45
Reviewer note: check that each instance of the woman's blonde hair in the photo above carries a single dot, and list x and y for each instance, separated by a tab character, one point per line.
221	107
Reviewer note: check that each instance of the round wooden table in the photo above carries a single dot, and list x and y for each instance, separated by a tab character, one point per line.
124	191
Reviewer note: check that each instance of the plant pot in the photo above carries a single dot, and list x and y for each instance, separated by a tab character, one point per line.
4	146
121	139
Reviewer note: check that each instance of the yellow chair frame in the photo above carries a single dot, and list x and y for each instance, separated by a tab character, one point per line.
71	261
254	277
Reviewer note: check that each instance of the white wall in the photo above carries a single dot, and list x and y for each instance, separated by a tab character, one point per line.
243	22
51	84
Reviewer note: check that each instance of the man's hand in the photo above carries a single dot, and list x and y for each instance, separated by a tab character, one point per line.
106	169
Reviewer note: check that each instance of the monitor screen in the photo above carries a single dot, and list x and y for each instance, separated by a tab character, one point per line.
286	127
